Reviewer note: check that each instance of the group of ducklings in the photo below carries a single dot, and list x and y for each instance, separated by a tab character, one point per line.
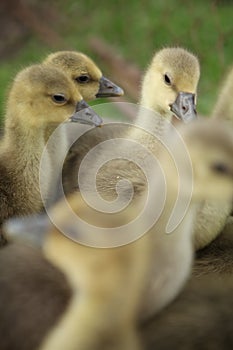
58	294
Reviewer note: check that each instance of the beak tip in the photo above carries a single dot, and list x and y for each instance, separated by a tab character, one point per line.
121	92
184	107
108	89
84	114
86	117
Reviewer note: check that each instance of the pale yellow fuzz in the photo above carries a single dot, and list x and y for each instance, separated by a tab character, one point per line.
212	216
74	64
31	109
183	70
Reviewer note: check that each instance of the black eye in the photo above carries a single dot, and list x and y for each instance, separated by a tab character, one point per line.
83	79
221	168
167	79
59	98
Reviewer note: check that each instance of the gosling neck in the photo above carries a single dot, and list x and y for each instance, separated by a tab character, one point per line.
155	122
24	142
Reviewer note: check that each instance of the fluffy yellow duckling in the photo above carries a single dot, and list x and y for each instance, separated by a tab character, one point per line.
212	215
208	161
170	84
40	97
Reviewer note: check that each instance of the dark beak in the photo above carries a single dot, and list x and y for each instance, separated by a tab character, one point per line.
184	107
108	89
31	230
84	114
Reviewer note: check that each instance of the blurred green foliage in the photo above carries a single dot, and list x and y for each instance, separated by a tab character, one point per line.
138	28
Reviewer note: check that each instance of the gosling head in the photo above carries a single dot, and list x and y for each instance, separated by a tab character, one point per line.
43	95
210	145
170	84
86	75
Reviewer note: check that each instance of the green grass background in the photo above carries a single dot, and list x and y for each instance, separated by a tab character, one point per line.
138	28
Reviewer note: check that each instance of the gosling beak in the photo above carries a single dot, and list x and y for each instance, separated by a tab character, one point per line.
108	89
84	114
30	230
184	107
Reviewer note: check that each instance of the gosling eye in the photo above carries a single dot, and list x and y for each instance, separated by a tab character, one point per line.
221	168
167	80
83	79
59	99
